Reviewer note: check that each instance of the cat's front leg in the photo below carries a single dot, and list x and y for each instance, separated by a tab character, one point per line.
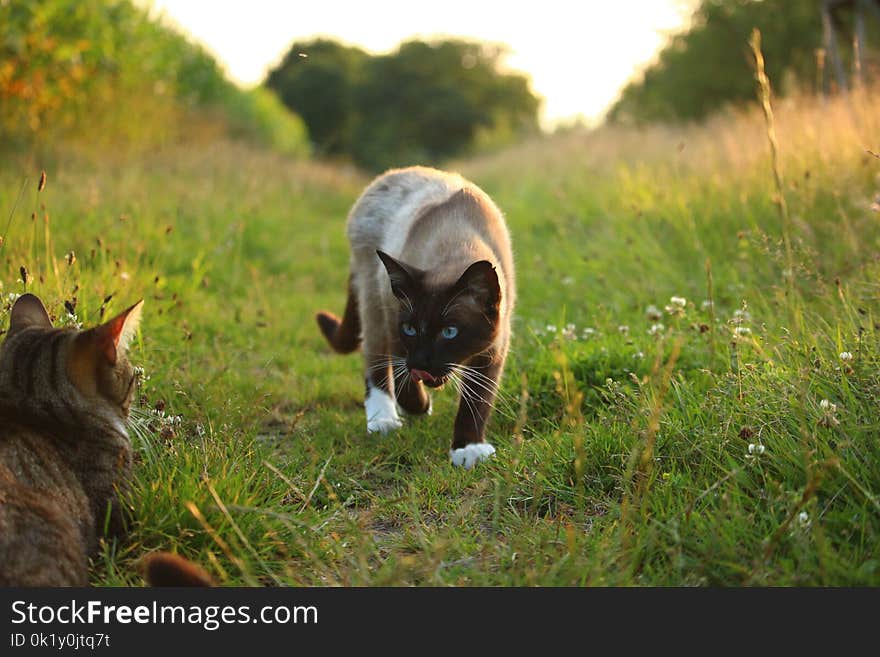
379	404
479	386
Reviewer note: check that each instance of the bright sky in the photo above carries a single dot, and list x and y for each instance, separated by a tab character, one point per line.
579	54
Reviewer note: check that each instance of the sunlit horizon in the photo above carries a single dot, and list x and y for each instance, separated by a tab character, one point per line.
578	55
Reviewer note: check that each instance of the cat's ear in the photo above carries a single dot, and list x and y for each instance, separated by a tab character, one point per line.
28	312
112	338
400	275
481	281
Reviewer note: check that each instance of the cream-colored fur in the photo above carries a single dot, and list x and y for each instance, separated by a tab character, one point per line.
439	223
385	217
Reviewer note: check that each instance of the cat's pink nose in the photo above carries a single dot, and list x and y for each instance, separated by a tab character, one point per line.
422	375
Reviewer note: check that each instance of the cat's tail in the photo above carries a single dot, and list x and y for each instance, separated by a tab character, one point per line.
343	335
167	569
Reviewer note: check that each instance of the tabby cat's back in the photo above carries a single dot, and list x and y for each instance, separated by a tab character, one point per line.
64	451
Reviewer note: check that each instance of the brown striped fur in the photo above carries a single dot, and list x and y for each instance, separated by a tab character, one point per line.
65	455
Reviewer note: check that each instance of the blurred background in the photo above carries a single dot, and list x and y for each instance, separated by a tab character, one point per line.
379	85
691	396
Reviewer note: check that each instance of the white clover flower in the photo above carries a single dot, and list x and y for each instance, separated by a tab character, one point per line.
804	519
624	329
828	418
569	332
676	306
588	333
741	316
656	329
743	331
846	356
653	313
550	328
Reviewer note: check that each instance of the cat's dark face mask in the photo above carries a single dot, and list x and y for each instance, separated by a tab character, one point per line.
442	328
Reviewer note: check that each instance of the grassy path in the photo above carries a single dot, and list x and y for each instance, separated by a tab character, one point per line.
636	445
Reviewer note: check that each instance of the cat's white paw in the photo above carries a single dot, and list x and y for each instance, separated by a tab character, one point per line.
469	455
381	412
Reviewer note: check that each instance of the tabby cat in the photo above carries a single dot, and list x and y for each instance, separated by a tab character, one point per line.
65	455
431	293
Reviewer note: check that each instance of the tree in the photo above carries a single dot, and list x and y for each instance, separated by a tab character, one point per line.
316	80
709	65
420	104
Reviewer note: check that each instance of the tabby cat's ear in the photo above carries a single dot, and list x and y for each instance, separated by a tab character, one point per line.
481	281
113	337
400	275
28	312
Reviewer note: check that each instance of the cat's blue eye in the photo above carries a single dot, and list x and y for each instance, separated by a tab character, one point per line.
449	332
408	329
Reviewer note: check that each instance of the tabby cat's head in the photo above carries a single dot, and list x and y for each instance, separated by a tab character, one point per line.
446	325
68	373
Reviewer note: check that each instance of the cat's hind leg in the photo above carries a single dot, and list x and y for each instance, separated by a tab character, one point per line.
412	396
342	334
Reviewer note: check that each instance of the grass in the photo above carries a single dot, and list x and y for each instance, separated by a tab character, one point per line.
688	448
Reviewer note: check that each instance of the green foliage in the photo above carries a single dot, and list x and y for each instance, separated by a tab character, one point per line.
709	65
316	80
423	103
99	72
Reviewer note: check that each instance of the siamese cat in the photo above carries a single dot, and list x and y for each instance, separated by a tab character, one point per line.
430	296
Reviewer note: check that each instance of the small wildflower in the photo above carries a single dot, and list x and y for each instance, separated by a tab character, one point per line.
588	333
656	329
804	519
624	329
653	313
639	355
550	328
828	419
569	332
708	304
676	306
741	316
743	331
846	356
